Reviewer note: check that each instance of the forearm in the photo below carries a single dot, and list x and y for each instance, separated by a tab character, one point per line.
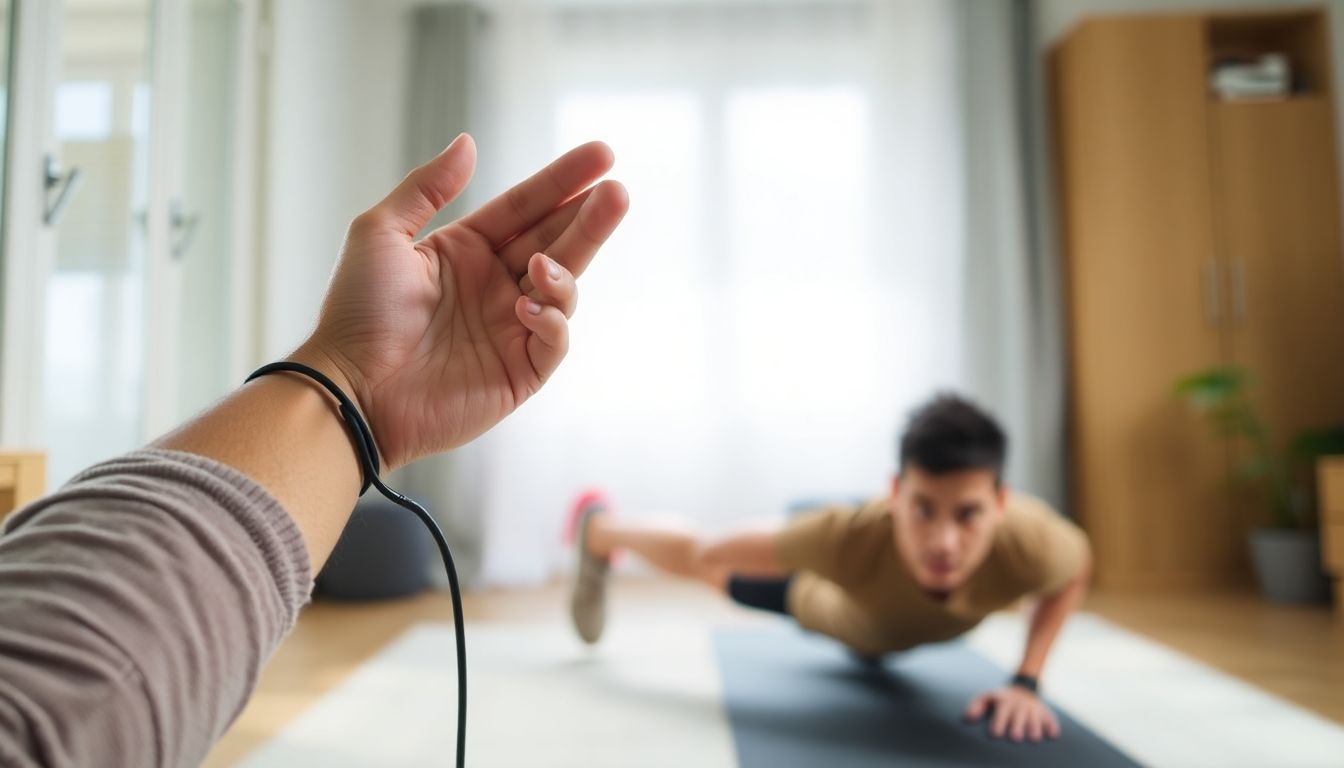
1048	619
284	432
137	605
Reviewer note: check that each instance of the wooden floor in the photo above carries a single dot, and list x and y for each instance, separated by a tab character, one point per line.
1295	653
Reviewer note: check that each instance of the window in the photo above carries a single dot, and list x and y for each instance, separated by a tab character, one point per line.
83	110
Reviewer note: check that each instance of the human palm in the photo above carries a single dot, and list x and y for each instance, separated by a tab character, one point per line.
440	338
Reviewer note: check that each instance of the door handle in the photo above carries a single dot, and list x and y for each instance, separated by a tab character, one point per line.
1212	298
183	226
63	183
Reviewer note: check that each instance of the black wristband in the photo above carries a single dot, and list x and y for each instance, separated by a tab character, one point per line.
359	430
1026	682
367	452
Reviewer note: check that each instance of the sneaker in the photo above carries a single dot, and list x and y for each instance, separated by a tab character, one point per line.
588	601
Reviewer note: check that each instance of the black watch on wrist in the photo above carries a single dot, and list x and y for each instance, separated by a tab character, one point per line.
1025	681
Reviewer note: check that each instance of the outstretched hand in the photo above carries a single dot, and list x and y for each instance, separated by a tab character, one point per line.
1016	714
438	339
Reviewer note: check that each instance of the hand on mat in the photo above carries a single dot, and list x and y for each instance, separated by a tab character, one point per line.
1015	713
438	339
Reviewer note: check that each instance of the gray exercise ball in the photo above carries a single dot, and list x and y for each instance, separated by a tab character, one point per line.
383	554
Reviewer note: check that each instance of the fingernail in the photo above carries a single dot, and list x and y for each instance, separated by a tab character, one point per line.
453	143
552	268
533	308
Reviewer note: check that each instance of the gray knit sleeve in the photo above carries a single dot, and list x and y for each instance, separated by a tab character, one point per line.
137	606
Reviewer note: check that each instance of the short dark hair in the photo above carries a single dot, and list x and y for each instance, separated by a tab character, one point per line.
950	434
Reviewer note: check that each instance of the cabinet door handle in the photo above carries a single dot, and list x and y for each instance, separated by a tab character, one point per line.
1212	300
1238	290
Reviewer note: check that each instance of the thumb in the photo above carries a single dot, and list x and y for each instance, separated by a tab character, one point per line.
427	189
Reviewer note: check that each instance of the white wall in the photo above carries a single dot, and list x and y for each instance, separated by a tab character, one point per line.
333	143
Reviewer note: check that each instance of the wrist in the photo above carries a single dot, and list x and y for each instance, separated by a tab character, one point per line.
321	357
324	359
1025	681
285	433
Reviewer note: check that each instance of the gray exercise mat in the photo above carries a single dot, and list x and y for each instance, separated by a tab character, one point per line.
799	701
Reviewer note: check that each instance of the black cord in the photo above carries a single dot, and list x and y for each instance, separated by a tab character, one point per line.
368	463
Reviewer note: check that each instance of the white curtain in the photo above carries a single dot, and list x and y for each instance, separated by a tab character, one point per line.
1013	345
787	284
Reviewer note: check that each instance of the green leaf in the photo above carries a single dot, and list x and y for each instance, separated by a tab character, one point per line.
1311	444
1213	388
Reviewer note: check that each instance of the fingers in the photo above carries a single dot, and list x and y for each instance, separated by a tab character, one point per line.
516	253
597	218
977	708
427	189
1051	725
526	204
551	284
1016	720
1036	725
1000	722
1017	723
549	338
1014	717
550	301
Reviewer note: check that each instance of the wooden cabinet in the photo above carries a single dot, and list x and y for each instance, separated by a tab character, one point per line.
1331	482
1278	214
1196	233
23	476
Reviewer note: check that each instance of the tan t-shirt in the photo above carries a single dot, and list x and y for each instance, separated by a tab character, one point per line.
851	584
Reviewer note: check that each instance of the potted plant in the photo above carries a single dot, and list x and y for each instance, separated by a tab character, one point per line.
1286	553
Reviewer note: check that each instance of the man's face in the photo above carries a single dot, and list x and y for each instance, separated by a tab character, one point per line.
945	523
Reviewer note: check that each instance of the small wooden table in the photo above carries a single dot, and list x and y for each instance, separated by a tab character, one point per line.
1331	483
23	477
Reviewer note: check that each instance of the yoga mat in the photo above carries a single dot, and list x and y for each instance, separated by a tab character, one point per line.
799	701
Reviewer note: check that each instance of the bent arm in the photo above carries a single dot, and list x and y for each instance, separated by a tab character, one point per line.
1048	617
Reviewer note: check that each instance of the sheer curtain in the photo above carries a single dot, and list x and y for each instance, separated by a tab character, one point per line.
786	285
1014	332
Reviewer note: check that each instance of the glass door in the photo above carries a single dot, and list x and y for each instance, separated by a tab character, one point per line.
94	355
127	258
202	214
5	32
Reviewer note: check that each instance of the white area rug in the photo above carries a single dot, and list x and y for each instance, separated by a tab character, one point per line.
649	696
1163	708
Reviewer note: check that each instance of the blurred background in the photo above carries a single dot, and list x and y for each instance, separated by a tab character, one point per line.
1115	223
1071	211
833	218
839	208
